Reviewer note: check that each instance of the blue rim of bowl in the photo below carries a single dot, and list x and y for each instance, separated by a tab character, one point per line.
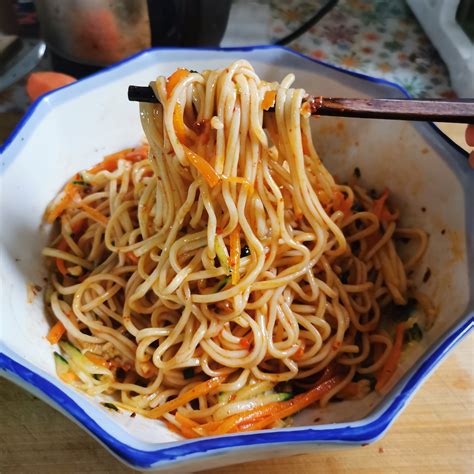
361	434
347	435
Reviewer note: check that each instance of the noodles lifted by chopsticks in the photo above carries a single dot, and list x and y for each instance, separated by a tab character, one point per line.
219	278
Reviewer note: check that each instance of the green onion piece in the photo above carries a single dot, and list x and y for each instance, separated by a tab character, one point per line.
414	333
222	284
188	373
357	207
401	313
221	253
110	406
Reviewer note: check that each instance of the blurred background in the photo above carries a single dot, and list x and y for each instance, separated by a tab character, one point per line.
424	45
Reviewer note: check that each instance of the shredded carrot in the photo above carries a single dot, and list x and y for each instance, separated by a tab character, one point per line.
185	421
296	404
231	423
234	258
380	208
187	425
329	372
93	213
132	257
110	162
260	417
239	180
179	126
70	315
245	342
97	360
59	261
137	154
268	100
342	203
56	333
207	171
392	361
69	377
198	390
300	351
210	426
175	79
79	227
70	191
173	428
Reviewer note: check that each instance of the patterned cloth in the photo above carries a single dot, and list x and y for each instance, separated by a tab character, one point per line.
381	38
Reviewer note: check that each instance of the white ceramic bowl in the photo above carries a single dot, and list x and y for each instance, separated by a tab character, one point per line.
76	126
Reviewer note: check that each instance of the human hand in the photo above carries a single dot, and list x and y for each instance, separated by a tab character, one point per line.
470	142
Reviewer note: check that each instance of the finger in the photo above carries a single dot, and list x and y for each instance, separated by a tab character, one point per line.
470	135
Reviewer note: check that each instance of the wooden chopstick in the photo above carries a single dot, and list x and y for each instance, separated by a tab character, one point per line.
439	110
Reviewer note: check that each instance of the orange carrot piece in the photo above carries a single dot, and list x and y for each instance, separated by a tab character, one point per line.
179	126
56	333
93	213
206	170
329	372
392	361
59	261
185	421
244	342
70	315
231	423
198	390
341	203
137	154
187	425
79	227
97	360
39	83
173	428
70	191
110	162
297	403
210	426
380	208
268	100
132	257
69	377
300	351
234	258
175	79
